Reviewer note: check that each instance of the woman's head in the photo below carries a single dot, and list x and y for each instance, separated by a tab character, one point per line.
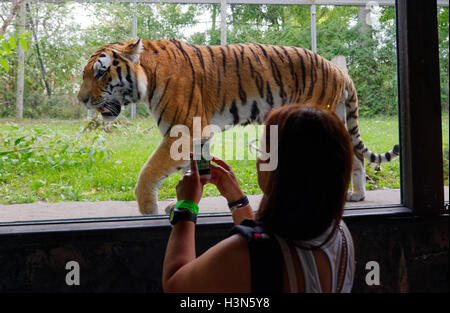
308	188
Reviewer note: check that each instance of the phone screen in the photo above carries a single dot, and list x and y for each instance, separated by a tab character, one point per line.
202	156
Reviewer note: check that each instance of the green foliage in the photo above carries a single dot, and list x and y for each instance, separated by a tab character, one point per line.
443	21
158	21
380	133
7	47
65	50
25	151
85	160
31	148
370	55
65	46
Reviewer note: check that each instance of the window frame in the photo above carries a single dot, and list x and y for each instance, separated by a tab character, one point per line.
422	182
418	82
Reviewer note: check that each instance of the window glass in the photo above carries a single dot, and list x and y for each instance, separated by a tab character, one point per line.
60	158
366	37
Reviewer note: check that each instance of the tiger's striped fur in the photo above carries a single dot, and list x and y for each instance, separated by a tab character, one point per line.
224	85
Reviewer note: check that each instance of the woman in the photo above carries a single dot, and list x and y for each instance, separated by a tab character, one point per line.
302	207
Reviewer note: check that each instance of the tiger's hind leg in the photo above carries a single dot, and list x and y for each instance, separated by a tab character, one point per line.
340	111
358	192
159	166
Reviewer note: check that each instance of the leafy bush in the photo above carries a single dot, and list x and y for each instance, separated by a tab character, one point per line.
44	149
38	106
65	47
7	47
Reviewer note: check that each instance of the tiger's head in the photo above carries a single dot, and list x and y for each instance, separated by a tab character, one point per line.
113	77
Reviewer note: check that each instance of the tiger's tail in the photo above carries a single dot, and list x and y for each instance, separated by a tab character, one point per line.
351	106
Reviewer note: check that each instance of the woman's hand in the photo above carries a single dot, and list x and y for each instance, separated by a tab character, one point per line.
190	187
223	177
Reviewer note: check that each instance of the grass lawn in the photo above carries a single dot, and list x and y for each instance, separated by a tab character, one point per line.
49	160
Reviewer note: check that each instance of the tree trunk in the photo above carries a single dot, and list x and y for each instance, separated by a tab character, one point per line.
41	61
213	18
363	15
363	19
21	67
12	14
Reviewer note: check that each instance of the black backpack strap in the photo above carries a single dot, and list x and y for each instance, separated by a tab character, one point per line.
266	259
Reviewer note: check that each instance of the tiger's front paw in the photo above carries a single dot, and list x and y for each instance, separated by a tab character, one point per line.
148	208
147	205
170	206
355	197
146	200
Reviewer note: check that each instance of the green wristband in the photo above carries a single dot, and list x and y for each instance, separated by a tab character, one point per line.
187	204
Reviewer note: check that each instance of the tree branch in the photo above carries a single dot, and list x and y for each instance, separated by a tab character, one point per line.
12	14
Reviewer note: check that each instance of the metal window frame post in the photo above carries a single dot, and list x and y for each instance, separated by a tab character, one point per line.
420	113
313	28
21	63
134	30
223	22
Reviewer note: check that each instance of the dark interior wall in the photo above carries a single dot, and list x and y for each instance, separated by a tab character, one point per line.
412	254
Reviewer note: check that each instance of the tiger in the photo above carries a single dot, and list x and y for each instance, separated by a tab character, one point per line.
233	84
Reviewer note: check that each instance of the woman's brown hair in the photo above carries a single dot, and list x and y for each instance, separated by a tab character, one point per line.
308	188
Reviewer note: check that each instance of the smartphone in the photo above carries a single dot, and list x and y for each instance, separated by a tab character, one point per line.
202	156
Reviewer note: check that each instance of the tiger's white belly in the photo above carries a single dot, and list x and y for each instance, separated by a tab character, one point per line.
253	112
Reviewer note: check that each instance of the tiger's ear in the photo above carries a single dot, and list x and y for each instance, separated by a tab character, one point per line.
131	51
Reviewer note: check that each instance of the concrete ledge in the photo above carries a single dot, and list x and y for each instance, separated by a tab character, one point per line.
75	210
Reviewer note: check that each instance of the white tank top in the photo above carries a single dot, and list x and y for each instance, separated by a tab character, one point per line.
333	250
